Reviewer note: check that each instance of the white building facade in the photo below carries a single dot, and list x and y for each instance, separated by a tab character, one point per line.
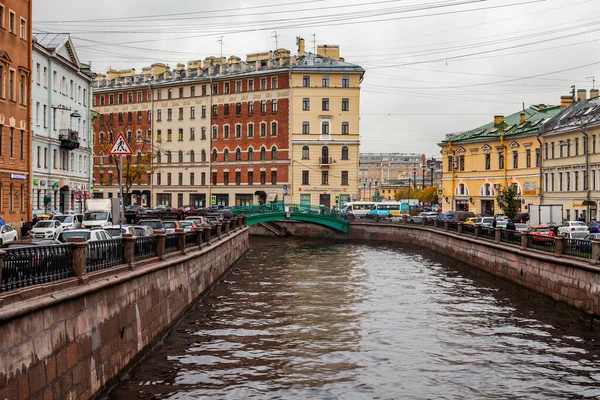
60	126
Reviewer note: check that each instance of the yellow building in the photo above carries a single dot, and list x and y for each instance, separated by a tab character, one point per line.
477	163
324	125
571	157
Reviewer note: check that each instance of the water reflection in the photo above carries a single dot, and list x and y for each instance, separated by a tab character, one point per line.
356	321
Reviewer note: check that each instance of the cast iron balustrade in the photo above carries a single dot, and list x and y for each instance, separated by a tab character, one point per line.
190	239
512	237
578	247
145	247
34	265
69	139
104	254
541	242
325	162
453	226
171	243
428	221
487	232
468	229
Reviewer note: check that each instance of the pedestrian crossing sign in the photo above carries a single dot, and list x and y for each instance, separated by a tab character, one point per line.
120	147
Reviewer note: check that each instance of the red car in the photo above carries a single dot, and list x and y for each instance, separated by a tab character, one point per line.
541	234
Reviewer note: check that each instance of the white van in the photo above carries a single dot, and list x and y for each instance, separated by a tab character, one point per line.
359	209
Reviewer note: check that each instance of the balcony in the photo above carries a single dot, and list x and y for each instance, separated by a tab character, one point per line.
325	162
69	139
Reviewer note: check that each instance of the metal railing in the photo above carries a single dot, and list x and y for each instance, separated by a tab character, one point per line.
577	247
34	265
190	239
468	229
145	247
171	243
512	237
487	232
104	254
429	221
453	226
541	242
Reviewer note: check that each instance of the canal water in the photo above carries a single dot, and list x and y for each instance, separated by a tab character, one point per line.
312	320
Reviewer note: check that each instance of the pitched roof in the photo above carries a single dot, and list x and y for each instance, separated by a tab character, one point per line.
535	116
578	115
50	41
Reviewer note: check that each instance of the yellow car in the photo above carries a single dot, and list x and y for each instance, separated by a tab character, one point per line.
473	221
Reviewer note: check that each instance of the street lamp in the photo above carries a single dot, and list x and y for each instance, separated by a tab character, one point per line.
423	172
432	167
370	183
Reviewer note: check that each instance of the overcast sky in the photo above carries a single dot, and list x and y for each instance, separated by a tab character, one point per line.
432	66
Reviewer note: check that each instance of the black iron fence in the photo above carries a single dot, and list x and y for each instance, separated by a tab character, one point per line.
468	229
453	226
541	242
487	232
429	221
577	247
171	243
512	237
190	239
145	247
34	265
104	254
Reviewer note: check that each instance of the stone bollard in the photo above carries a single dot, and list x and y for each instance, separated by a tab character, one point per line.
161	239
524	239
446	225
436	223
497	235
476	230
79	261
460	228
244	219
423	220
404	219
594	259
559	245
350	218
181	239
227	226
129	249
218	230
376	218
233	224
207	231
199	236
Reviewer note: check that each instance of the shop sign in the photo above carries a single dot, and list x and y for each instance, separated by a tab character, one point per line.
529	189
462	201
18	176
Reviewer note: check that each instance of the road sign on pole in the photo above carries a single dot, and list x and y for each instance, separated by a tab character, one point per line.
120	147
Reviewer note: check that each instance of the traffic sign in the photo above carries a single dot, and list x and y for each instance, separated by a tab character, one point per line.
285	188
213	200
440	192
120	147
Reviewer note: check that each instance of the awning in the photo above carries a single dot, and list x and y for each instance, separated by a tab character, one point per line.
590	203
271	197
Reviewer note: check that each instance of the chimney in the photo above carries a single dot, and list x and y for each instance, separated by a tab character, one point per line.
541	106
522	117
300	43
565	101
581	95
498	119
594	93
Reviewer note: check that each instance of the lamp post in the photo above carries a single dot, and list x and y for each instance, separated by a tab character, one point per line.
376	190
370	183
432	167
423	172
408	194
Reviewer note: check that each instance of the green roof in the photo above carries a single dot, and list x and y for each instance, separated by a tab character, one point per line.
535	116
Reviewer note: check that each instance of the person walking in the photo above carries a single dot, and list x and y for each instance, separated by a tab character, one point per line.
581	218
494	223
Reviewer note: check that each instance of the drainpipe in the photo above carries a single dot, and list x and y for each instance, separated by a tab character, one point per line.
29	143
541	177
587	172
451	175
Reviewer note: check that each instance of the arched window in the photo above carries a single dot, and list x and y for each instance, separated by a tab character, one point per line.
203	156
487	190
325	154
461	190
139	136
273	153
345	153
250	154
139	156
101	138
226	155
192	156
305	153
214	156
519	192
263	153
238	154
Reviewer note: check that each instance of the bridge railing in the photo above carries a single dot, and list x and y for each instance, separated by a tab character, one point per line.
32	265
291	208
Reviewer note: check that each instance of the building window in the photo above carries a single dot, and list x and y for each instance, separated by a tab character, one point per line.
238	131
238	86
250	177
11	85
515	159
568	183
560	181
238	178
180	156
169	94
528	158
238	154
305	178
345	178
305	127
238	108
250	154
274	106
169	135
325	178
538	157
203	90
274	153
273	177
192	134
552	149
487	161
576	180
325	81
226	132
192	112
306	104
263	177
263	129
263	153
214	155
214	179
159	115
203	178
226	87
11	25
345	81
169	159
192	177
203	111
461	163
226	155
226	110
169	179
501	160
345	128
251	108
306	81
250	130
324	155
345	104
263	106
250	85
192	156
305	153
169	114
263	83
180	179
274	82
215	110
203	156
325	128
576	145
325	104
345	153
215	133
273	128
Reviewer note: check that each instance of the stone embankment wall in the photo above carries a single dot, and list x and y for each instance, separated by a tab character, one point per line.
571	280
71	342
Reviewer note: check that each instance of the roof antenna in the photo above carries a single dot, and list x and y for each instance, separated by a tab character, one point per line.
220	41
523	106
276	42
314	35
593	81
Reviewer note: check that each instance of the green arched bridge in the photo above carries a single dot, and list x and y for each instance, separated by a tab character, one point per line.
282	212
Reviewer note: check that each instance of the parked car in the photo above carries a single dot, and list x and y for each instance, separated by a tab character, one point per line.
18	244
170	226
541	234
46	230
218	216
187	226
88	234
594	227
199	221
143	230
7	234
473	221
447	216
212	219
69	221
572	226
502	223
134	213
116	231
155	224
462	216
487	221
585	245
521	227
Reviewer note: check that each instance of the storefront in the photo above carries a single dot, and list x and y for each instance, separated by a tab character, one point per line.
487	208
222	199
198	200
242	200
462	205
